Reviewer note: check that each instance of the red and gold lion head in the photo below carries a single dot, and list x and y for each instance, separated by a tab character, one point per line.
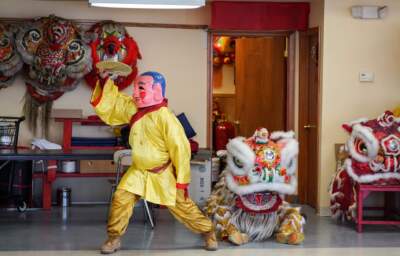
110	41
10	60
56	58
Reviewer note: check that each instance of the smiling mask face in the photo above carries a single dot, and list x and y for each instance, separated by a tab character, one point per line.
146	92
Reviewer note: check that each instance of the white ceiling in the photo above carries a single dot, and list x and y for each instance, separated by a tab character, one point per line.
206	0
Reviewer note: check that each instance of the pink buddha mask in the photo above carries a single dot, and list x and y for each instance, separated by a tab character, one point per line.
147	92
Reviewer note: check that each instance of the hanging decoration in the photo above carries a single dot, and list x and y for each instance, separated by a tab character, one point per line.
57	58
10	60
223	50
111	42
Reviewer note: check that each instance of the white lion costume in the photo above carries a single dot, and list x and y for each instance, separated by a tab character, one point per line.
247	203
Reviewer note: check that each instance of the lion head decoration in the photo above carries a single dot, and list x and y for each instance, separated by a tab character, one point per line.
247	202
373	158
56	58
10	60
111	42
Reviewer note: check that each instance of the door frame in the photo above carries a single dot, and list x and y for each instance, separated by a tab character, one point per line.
290	86
304	58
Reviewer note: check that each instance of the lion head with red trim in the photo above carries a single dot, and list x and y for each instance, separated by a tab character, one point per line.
10	60
111	41
373	158
56	58
374	148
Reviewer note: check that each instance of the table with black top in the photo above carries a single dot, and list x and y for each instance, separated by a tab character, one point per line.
52	156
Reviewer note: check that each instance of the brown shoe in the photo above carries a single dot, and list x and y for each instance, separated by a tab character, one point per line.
210	240
112	245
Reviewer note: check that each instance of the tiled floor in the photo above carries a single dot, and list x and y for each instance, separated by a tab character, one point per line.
81	230
225	252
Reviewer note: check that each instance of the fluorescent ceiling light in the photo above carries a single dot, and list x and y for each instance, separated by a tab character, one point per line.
148	4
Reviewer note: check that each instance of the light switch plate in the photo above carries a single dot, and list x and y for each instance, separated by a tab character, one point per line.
366	76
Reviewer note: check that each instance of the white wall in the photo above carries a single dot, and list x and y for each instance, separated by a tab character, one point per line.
179	54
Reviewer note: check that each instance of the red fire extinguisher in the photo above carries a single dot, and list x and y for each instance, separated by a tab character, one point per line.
223	131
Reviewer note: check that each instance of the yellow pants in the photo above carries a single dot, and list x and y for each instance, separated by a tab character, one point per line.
185	210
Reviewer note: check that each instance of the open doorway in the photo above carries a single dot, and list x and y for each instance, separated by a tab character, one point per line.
252	85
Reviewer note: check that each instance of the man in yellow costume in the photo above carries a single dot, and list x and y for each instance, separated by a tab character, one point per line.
160	170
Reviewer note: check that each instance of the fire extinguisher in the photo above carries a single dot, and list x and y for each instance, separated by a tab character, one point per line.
223	131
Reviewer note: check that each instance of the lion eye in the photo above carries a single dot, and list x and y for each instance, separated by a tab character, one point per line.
360	147
35	35
75	46
4	42
237	162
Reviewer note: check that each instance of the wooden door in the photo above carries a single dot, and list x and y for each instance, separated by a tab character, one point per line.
260	79
308	117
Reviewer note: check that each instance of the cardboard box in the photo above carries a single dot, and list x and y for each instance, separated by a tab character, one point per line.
66	113
200	186
97	166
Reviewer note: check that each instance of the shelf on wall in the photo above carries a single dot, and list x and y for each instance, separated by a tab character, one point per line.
77	175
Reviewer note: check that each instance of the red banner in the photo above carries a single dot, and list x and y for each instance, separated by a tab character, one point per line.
259	16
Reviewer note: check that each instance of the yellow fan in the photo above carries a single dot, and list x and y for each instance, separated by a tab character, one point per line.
114	67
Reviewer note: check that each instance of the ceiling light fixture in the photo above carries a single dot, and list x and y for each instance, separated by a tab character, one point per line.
148	4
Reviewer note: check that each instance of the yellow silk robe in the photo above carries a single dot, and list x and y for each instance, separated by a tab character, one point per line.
155	139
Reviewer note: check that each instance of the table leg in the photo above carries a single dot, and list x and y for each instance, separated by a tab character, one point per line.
67	134
389	204
48	179
360	199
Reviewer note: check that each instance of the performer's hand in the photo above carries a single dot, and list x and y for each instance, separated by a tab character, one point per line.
104	74
107	74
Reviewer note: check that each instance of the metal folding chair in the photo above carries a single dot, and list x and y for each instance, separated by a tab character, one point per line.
123	158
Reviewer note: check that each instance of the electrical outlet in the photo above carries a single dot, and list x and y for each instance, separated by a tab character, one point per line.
366	76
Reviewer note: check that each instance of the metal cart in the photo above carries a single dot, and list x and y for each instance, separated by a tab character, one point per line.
9	131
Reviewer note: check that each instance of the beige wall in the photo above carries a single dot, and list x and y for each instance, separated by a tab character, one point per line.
350	46
180	54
